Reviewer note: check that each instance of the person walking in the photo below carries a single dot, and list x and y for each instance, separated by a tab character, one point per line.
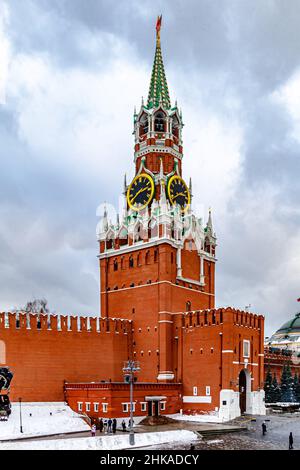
130	423
114	426
291	441
123	426
93	430
101	425
109	423
105	426
264	428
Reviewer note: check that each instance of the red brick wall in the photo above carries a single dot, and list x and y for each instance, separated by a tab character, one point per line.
153	162
42	359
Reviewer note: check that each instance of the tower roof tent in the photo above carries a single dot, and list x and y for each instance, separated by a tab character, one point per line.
158	91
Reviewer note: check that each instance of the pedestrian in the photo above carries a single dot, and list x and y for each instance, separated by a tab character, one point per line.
123	426
109	423
114	425
101	425
105	426
93	430
291	441
264	428
130	423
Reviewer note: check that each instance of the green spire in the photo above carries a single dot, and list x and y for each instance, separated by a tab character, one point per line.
158	91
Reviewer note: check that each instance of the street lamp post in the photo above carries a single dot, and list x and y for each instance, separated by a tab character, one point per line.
21	427
129	370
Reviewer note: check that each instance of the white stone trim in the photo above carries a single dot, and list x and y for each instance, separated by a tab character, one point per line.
157	148
165	321
165	376
154	284
227	351
192	281
136	246
196	399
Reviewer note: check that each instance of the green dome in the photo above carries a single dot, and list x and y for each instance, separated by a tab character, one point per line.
290	326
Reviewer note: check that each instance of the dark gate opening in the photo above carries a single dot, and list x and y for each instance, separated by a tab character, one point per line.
243	391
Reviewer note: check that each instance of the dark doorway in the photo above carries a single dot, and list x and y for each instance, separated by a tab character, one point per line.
243	391
149	408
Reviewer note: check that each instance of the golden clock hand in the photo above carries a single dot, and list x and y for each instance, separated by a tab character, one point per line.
177	195
139	192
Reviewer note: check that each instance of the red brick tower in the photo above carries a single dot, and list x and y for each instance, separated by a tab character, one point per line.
159	259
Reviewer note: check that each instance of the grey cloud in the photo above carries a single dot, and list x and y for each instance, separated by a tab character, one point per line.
236	51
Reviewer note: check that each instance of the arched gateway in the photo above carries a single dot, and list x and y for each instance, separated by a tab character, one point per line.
244	389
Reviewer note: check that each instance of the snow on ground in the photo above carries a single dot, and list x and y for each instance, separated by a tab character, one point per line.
63	420
207	418
103	443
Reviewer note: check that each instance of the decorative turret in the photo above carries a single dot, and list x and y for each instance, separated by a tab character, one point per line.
210	236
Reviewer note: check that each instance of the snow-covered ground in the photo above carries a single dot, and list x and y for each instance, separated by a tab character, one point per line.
40	422
103	443
205	418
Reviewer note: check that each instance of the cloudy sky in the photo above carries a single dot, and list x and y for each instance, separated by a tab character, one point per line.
71	72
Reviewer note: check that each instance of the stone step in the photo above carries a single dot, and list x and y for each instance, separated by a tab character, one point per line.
217	432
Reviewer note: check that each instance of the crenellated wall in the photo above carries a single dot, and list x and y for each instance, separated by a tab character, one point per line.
210	354
43	351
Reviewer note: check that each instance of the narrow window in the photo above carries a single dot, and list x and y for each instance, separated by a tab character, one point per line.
144	125
159	122
125	407
87	406
115	265
79	406
131	263
96	407
104	407
246	348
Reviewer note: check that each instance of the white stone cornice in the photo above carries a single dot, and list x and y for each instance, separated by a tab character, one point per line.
157	148
153	284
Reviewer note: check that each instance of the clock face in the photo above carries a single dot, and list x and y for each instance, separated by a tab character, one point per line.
178	192
140	192
3	382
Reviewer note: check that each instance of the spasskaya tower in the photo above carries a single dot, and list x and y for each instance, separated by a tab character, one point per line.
158	260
